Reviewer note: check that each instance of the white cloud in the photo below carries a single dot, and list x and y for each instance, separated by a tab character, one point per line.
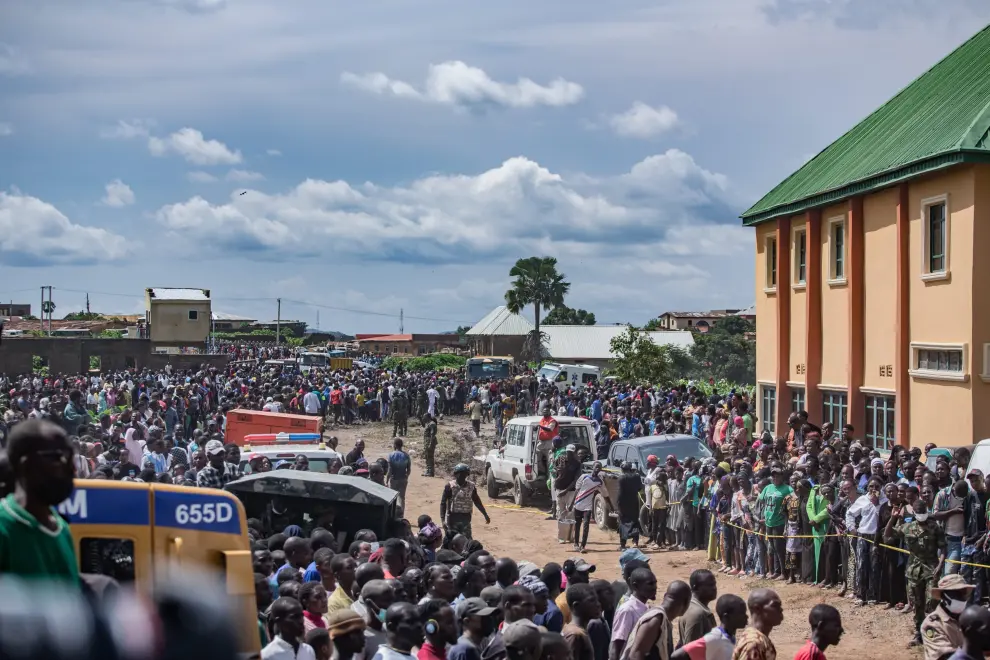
273	152
201	177
126	129
519	206
6	129
196	6
118	194
644	121
456	84
192	146
244	176
12	62
35	233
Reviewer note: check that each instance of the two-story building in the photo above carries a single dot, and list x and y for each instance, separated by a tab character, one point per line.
868	275
178	320
698	321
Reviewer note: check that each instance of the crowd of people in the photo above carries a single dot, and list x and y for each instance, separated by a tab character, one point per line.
813	506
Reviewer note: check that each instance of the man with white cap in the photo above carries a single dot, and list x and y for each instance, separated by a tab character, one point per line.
217	473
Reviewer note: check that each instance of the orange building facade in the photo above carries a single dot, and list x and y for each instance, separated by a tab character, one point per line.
870	262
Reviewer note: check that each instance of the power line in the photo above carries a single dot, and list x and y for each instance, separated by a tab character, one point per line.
273	298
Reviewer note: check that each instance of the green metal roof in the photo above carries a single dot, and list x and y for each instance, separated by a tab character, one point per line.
940	120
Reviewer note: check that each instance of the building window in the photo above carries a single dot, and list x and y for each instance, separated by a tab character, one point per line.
935	247
837	250
939	361
768	408
771	255
834	409
800	257
193	315
880	421
797	399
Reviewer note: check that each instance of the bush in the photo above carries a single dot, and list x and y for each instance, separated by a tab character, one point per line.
431	362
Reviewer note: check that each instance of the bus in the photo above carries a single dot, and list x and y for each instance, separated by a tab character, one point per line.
487	367
135	532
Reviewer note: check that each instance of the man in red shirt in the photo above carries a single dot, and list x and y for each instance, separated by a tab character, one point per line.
440	626
548	431
826	630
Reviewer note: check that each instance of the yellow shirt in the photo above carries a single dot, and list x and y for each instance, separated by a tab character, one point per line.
561	603
339	600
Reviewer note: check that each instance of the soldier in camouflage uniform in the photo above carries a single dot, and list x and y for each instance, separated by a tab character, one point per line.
458	501
925	540
422	403
429	444
400	414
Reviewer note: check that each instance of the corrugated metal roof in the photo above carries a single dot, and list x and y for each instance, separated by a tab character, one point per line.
749	311
500	322
713	314
166	293
389	338
940	119
220	316
593	342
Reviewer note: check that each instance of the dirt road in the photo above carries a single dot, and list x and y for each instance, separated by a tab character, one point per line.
871	632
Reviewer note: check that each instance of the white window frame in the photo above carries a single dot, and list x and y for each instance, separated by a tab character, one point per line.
935	374
871	420
765	421
189	315
770	286
795	262
928	275
833	280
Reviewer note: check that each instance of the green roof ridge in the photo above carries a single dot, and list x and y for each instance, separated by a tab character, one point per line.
940	119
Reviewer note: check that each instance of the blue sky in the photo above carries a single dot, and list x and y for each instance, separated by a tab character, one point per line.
403	155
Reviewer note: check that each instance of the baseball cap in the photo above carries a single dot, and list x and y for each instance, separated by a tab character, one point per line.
581	565
528	568
632	553
974	473
474	607
523	634
214	447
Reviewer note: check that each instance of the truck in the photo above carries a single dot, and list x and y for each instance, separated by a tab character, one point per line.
241	423
636	451
514	463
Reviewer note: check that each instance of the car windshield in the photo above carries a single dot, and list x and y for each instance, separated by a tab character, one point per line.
575	434
681	448
315	464
548	373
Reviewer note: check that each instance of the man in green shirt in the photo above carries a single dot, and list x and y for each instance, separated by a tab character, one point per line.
772	499
34	540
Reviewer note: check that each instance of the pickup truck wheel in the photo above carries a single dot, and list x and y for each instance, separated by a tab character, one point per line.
520	494
492	484
602	510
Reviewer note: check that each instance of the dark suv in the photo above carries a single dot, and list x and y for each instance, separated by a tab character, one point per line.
636	450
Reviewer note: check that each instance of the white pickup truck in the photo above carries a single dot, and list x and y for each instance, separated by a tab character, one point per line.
515	464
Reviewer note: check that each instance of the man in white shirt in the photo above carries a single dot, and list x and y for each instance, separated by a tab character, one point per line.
311	401
287	614
866	510
431	396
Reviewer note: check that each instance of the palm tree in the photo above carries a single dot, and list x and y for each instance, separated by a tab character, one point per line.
536	283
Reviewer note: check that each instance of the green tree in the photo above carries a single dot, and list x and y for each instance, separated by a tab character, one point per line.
726	351
536	283
47	307
652	324
638	359
84	316
564	315
462	330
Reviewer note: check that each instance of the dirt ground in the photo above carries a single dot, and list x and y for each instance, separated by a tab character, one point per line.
524	534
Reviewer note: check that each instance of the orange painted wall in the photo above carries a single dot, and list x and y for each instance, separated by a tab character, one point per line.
835	305
941	310
981	309
879	275
766	311
799	318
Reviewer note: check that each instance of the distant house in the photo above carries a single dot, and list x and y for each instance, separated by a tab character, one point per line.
414	344
15	309
697	321
501	332
177	317
228	322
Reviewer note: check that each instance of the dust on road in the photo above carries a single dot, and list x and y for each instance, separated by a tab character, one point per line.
524	534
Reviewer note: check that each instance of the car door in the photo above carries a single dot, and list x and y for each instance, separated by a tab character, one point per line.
513	456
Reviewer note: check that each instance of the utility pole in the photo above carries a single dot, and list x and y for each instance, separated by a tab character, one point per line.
401	317
317	319
41	311
278	322
87	303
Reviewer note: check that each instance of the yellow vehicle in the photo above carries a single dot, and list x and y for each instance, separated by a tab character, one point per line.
132	531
